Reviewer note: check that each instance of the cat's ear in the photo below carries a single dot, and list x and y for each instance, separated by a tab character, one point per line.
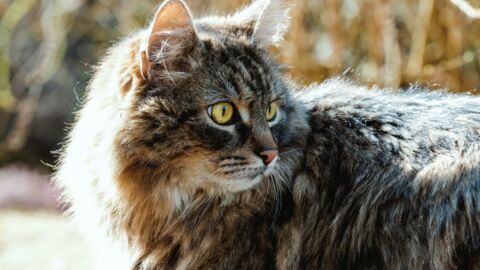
170	33
270	20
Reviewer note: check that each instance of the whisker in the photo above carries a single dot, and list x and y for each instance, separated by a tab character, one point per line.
290	151
233	164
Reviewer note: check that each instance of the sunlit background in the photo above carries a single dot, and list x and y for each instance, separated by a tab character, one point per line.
48	49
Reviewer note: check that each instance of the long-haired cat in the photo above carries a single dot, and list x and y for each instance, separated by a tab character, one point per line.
190	138
186	141
391	180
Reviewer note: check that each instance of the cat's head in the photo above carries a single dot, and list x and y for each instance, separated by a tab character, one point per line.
212	111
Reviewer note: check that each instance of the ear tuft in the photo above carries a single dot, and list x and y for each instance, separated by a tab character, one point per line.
271	19
171	32
273	23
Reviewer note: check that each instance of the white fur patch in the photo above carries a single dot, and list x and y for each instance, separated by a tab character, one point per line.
243	183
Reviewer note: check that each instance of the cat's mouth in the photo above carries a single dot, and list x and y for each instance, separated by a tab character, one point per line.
247	178
247	172
239	174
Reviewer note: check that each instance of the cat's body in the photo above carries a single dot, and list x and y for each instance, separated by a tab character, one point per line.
391	181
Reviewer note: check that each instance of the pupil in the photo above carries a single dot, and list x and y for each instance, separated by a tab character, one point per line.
224	109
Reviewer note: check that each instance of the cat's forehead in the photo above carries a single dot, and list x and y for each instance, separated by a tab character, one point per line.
239	71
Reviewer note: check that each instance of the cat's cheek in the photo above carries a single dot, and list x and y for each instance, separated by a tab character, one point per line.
213	138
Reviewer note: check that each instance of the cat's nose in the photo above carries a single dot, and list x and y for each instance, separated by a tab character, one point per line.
268	156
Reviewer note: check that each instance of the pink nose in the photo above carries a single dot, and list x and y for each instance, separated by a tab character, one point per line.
268	156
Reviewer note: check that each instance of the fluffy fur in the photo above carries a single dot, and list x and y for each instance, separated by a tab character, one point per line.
382	179
391	181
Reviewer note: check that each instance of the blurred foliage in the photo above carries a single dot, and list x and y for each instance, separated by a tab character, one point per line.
388	43
47	49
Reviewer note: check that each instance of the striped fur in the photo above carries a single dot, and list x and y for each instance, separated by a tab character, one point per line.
391	181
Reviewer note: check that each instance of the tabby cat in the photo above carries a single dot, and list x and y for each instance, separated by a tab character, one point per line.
194	151
187	139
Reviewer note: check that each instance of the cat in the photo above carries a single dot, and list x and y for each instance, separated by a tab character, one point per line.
191	138
186	143
391	180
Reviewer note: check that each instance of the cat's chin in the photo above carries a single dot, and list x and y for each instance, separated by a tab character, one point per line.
242	184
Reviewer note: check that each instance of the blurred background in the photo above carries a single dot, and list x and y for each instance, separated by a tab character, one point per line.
48	49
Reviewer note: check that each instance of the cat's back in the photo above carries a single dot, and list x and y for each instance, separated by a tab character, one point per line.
414	125
345	100
392	176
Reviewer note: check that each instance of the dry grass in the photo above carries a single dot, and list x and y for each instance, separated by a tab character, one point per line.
386	42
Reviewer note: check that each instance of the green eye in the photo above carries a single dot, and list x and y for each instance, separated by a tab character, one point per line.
272	111
221	113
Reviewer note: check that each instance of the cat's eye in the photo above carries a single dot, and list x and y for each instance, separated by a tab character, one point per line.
221	113
272	111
